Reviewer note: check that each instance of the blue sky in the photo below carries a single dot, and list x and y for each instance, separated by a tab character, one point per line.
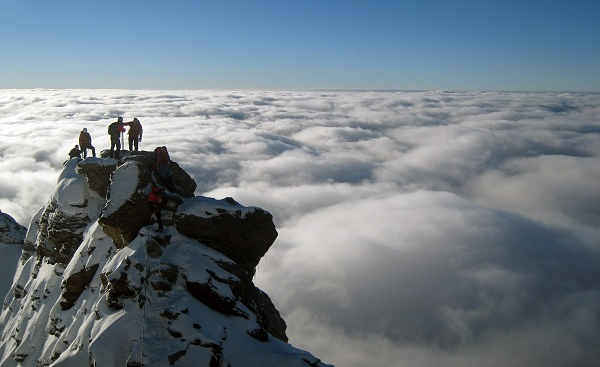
428	44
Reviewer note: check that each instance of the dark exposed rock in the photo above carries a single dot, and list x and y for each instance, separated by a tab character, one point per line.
184	183
123	217
257	301
75	285
210	296
154	250
53	329
169	314
259	334
60	234
121	287
97	172
175	356
19	292
163	241
118	287
241	233
215	349
163	279
174	333
313	363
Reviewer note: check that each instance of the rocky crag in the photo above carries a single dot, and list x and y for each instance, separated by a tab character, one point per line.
12	235
96	285
11	232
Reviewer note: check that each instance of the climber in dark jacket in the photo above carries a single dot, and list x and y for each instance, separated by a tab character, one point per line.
114	130
85	142
75	152
135	134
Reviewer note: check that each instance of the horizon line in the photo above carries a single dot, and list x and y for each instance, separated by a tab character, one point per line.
379	90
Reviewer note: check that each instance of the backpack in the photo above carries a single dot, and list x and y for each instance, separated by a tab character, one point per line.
113	129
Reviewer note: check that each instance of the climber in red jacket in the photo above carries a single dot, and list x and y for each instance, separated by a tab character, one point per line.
156	198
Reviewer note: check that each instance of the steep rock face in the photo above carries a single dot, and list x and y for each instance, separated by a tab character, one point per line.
60	233
97	171
97	286
61	225
127	209
244	234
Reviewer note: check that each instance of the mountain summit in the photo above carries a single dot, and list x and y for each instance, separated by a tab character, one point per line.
98	285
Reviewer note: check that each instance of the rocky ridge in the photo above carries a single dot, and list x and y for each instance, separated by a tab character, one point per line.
97	286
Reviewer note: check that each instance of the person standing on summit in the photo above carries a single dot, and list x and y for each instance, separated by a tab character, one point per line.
85	142
135	133
114	130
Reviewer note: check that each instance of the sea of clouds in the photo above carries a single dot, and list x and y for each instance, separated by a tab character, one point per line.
415	228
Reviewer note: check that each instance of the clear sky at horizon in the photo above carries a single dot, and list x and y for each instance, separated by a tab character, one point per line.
529	45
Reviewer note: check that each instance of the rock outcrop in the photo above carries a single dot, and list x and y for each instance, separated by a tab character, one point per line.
96	285
65	217
97	172
243	234
127	209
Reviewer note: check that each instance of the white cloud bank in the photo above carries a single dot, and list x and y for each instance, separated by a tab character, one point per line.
417	229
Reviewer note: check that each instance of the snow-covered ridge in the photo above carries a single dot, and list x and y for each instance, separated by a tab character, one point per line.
206	207
98	286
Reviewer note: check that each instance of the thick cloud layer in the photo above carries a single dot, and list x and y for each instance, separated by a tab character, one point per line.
420	228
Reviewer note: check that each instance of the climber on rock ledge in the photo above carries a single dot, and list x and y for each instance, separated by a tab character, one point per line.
156	199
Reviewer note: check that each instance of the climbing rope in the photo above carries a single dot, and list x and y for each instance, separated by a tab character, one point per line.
145	285
145	298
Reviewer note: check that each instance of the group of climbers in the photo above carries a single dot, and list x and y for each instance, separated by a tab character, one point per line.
161	161
115	130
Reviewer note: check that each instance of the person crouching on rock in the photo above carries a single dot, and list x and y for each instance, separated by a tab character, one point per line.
75	152
85	142
156	199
